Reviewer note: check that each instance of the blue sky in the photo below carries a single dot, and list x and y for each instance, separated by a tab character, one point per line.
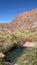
10	8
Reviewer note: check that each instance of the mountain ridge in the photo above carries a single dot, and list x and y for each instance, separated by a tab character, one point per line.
23	21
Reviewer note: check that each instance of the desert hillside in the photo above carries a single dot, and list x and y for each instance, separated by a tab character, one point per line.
23	21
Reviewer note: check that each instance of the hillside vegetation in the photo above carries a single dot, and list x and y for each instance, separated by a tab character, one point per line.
7	41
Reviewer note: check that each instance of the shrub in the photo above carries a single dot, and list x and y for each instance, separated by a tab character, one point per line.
18	37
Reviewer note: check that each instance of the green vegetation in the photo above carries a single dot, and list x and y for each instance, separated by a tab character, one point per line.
9	40
0	61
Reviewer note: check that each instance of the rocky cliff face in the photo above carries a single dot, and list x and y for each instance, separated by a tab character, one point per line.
24	21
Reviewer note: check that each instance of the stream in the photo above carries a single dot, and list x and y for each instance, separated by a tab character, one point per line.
14	54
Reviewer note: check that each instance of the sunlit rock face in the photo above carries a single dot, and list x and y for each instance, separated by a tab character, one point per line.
30	44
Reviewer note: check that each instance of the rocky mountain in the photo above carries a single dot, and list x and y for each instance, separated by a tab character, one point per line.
23	21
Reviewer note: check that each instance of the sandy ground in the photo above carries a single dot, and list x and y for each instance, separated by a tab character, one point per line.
30	44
